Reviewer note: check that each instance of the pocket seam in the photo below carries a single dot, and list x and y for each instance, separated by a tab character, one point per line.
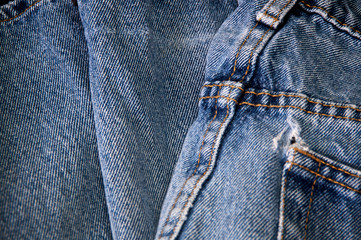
310	204
326	178
323	162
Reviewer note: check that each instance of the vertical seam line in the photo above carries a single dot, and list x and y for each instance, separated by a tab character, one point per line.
195	170
245	40
208	166
310	204
234	68
259	41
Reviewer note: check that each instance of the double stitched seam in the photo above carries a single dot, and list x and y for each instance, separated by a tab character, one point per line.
287	95
307	99
264	34
326	178
284	195
323	162
176	200
286	106
295	107
209	164
195	170
9	19
310	204
328	14
248	35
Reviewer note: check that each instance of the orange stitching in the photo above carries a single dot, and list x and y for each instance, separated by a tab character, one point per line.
321	161
9	19
239	50
287	95
209	164
228	98
276	19
284	195
343	24
279	106
234	69
195	170
222	85
310	204
304	110
249	34
307	99
329	179
260	40
250	56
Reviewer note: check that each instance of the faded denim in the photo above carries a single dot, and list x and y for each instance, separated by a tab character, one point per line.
275	150
97	103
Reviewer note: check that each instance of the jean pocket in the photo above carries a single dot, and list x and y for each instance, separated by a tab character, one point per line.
320	198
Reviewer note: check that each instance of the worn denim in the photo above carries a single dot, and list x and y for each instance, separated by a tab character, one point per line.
275	150
100	137
95	102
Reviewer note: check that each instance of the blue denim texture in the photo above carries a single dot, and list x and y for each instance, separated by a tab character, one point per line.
95	103
100	137
275	150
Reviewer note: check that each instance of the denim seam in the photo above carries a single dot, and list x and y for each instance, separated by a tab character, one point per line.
176	200
228	99
208	165
284	195
281	106
276	19
326	178
245	40
325	163
307	99
12	18
307	7
287	95
260	40
299	108
311	199
216	97
239	50
195	170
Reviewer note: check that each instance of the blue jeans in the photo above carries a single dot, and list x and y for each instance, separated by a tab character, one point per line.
100	137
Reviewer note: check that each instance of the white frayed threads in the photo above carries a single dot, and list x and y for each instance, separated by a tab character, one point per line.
289	136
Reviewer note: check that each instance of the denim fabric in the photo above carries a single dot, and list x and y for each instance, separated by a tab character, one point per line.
275	150
95	102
